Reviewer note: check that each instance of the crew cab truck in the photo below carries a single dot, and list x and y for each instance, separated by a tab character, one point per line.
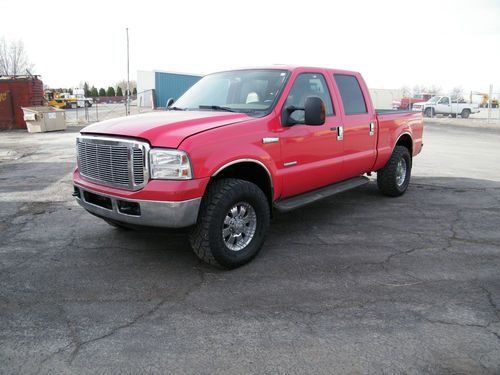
237	146
444	105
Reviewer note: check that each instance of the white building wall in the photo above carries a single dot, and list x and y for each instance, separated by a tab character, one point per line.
382	98
145	87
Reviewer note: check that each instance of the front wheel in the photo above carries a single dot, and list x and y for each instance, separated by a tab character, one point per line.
232	223
394	178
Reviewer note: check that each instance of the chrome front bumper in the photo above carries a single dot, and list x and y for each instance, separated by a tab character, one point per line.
139	212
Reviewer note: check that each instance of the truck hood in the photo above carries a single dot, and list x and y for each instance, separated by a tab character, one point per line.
166	128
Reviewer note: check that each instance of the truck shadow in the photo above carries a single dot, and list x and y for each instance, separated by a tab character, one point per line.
428	200
360	237
355	216
27	177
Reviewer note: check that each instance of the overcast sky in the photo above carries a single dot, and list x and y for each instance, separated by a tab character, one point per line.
393	43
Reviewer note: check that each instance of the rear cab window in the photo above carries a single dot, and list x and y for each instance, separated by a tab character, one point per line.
351	94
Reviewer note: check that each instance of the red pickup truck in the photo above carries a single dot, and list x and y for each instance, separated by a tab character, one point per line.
237	146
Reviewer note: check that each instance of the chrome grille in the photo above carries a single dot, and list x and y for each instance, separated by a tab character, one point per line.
113	162
137	165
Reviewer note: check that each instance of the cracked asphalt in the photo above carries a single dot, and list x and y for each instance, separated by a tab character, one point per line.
356	284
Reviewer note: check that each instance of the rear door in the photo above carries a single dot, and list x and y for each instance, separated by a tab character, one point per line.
359	123
311	155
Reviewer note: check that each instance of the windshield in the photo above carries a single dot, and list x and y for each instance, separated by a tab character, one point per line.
434	99
250	91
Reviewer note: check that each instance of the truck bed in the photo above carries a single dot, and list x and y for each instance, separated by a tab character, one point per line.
393	123
390	111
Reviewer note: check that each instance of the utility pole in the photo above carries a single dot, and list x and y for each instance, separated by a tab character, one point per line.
128	78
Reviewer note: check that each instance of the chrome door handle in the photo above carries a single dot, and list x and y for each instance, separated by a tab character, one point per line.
267	140
340	133
372	128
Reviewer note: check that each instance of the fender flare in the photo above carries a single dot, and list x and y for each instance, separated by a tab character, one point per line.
246	160
402	135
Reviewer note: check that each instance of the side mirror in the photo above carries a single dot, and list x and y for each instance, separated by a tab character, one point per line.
170	101
315	112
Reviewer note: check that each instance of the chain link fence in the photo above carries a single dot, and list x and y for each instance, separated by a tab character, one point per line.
108	108
483	106
487	104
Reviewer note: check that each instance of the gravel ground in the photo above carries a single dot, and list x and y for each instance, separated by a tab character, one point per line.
356	284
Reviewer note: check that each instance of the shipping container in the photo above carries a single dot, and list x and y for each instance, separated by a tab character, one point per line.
17	92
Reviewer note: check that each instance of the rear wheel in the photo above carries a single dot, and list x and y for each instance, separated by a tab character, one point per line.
429	112
465	113
394	178
232	223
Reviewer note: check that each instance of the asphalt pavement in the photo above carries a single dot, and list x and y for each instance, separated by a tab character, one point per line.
356	284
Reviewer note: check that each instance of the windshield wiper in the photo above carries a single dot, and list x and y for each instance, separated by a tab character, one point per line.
216	108
176	109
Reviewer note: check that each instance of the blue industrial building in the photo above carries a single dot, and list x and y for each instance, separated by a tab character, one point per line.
158	86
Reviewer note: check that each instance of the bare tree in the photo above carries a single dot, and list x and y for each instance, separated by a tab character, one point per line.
405	91
435	90
123	85
4	57
419	90
457	93
13	58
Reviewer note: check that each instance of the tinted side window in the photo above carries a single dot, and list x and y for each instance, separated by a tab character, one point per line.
352	96
308	84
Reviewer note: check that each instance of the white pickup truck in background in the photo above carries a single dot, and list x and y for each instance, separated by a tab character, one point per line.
444	105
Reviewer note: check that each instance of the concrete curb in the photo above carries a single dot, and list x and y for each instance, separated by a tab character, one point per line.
469	123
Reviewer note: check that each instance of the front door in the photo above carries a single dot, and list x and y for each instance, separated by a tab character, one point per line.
444	105
311	155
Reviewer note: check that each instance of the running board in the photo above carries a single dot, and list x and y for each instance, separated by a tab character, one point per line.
297	201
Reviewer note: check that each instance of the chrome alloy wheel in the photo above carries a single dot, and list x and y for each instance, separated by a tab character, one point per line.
401	172
239	226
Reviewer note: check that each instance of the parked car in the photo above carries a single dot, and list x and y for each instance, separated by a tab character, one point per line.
444	105
237	146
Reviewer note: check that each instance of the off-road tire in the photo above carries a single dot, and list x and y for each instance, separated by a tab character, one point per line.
206	236
465	113
387	176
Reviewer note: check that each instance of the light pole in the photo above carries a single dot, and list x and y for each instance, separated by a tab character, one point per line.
128	78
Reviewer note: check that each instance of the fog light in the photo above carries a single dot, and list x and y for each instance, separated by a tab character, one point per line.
129	208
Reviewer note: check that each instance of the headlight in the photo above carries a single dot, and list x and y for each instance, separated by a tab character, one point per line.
169	164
